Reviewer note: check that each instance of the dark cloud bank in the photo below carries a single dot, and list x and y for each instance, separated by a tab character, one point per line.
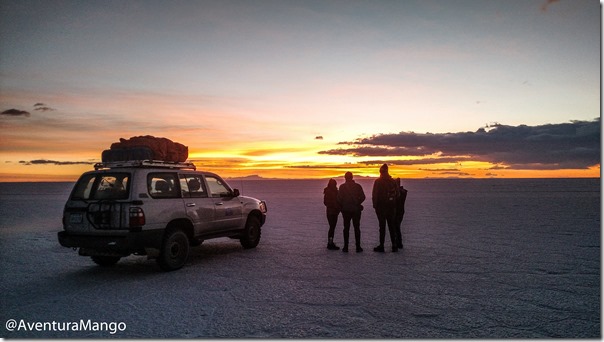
15	112
573	145
41	107
53	162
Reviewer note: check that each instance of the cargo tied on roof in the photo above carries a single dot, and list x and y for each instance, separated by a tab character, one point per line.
146	148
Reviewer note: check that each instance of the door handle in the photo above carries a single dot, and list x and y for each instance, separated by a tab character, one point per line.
190	205
219	203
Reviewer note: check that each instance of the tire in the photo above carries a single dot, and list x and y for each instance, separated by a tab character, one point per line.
174	251
251	233
105	261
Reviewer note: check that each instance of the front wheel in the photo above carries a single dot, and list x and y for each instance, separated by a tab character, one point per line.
251	233
174	251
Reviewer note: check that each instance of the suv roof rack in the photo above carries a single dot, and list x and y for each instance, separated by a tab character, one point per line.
144	163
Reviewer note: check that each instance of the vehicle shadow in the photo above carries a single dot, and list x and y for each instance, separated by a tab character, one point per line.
209	252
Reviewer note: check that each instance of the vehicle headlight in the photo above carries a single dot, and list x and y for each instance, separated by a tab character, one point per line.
263	207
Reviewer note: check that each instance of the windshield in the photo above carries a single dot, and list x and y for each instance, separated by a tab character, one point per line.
113	186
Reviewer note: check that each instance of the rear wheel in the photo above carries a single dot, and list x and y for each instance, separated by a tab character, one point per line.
105	260
251	233
174	251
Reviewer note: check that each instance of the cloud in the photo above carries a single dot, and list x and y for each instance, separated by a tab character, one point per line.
15	112
574	145
455	173
441	170
382	151
422	161
326	167
54	162
42	107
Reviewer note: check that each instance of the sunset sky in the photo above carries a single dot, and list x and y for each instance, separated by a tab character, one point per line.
305	89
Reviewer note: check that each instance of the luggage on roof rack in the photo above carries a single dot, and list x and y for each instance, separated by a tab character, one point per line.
144	163
146	148
127	154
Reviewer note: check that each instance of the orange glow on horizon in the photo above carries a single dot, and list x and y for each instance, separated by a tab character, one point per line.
238	167
274	160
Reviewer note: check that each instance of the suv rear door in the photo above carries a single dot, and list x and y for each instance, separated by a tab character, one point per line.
198	204
166	203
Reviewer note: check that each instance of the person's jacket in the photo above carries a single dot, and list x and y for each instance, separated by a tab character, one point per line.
330	199
385	194
351	196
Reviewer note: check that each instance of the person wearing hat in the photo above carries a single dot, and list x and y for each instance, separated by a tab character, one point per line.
351	197
385	195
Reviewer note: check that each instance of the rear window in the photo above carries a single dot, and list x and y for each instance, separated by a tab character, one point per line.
114	186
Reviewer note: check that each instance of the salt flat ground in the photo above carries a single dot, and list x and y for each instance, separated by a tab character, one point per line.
487	259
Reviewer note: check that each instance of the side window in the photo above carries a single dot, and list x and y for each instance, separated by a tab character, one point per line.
163	185
217	187
193	186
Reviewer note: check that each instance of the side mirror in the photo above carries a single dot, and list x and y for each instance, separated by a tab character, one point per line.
236	193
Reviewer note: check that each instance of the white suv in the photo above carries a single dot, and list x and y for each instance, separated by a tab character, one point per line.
158	209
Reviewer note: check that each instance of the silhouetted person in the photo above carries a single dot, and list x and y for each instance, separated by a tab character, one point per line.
351	196
330	199
400	213
385	195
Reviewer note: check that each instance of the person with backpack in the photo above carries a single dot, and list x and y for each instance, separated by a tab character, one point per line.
330	199
385	195
400	213
351	197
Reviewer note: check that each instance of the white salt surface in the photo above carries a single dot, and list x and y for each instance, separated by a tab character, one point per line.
487	259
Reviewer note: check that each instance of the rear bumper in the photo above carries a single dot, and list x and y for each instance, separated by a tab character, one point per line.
124	244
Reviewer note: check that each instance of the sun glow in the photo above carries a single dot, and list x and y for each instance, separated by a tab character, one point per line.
309	155
296	165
